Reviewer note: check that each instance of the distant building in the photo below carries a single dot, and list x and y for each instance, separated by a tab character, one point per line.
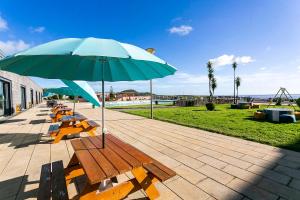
17	93
131	95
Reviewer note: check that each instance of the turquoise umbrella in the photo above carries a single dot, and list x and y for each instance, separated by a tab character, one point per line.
89	59
47	94
77	88
83	89
62	91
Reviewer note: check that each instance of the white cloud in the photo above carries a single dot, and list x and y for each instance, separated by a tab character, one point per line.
3	24
13	46
39	29
263	68
181	30
229	59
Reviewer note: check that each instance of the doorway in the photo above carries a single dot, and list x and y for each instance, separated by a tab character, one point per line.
23	97
5	98
31	97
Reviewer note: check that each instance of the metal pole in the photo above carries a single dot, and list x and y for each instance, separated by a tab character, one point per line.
151	99
103	102
152	51
75	97
103	105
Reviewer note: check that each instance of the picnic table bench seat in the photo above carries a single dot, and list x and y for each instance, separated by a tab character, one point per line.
53	129
59	113
52	182
88	126
159	171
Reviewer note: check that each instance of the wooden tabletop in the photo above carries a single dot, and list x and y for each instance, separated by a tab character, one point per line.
73	118
116	158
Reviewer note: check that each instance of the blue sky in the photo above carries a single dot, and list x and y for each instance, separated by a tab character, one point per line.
261	35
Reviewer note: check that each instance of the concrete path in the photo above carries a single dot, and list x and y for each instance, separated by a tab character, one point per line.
209	165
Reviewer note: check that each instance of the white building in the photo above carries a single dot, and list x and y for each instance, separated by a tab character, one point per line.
17	93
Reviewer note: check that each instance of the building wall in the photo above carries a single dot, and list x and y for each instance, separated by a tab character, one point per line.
16	82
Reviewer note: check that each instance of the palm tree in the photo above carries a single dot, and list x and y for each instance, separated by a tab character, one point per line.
238	81
210	77
234	66
213	85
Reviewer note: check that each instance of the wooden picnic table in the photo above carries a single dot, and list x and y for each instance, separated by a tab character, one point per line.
72	118
102	164
58	113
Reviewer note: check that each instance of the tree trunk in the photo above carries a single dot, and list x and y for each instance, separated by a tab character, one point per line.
234	86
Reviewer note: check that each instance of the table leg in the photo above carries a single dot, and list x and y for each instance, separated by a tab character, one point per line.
73	170
145	182
89	192
115	193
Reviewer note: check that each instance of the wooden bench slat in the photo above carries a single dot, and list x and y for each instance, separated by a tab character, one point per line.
164	168
53	128
78	145
102	161
88	143
96	141
45	183
158	173
92	169
93	123
58	182
123	154
142	157
119	164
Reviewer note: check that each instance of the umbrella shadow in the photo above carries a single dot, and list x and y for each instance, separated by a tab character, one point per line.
42	114
38	121
17	187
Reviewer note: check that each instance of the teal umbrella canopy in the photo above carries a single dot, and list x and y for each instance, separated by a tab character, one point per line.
61	91
77	88
47	94
89	59
83	89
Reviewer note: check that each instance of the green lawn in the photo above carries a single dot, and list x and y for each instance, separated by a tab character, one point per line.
238	123
142	106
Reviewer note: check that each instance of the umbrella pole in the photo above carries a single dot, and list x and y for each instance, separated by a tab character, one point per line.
151	100
103	100
75	97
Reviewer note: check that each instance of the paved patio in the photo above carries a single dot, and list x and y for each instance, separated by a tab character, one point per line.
209	165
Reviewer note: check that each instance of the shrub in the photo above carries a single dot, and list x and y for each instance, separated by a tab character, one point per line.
210	106
278	103
298	102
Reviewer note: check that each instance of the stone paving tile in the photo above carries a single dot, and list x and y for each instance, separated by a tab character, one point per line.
218	191
212	161
260	162
280	189
273	175
295	184
186	190
235	161
191	162
242	174
215	174
189	174
250	190
288	171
